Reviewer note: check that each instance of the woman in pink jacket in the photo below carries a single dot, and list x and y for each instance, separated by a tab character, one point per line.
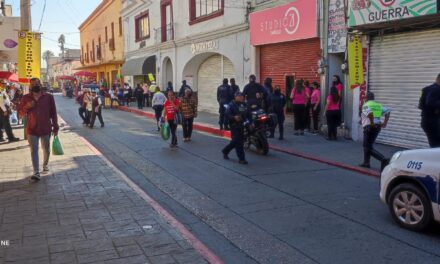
300	96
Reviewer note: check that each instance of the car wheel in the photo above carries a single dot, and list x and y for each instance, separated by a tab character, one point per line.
410	207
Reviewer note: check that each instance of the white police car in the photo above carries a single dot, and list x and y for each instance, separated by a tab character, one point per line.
410	187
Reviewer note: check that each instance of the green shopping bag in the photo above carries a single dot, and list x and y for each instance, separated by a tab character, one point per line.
165	131
57	149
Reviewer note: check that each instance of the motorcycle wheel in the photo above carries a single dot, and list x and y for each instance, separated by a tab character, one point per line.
262	145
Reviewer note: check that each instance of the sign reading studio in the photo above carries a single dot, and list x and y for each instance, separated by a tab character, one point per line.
363	12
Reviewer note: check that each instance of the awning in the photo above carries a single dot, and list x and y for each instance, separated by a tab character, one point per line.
137	66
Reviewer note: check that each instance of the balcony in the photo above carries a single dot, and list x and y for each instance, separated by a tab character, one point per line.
164	34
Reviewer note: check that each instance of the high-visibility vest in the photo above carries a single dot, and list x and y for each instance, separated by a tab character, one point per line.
376	108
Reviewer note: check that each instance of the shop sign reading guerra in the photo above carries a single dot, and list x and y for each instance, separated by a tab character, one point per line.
293	21
363	12
204	46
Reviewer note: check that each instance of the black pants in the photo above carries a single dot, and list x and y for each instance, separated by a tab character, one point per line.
281	118
299	115
88	117
315	116
333	119
237	142
187	127
223	121
140	102
370	135
158	113
173	128
307	118
6	125
93	118
431	126
147	100
82	113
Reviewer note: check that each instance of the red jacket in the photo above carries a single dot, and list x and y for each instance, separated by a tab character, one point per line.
42	118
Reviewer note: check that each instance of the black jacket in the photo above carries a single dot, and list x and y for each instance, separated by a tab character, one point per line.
430	101
182	90
234	89
138	93
250	92
277	102
235	109
224	94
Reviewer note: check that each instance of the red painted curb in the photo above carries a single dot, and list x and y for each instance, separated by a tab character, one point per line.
227	134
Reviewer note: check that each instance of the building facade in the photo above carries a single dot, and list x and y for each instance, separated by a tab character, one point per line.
65	66
201	42
102	45
285	36
400	40
9	26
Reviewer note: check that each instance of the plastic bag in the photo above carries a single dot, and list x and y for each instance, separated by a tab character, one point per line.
165	131
13	118
57	149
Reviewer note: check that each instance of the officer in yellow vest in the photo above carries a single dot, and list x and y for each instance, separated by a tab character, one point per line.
371	118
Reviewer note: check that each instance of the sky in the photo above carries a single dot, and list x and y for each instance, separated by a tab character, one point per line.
60	17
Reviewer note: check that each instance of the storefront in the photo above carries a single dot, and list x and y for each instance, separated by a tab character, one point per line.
287	43
402	60
139	70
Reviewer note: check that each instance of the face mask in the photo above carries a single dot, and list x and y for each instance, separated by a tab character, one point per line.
36	89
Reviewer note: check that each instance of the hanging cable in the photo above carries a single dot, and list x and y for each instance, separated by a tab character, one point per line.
42	15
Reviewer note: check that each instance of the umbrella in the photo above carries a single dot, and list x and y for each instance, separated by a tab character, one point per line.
10	76
65	77
85	74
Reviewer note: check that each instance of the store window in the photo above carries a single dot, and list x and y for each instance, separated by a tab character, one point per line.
202	10
142	26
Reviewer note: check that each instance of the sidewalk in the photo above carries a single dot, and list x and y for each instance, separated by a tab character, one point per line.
82	212
343	153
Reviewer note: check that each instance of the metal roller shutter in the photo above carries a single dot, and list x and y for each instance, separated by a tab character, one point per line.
210	76
400	66
297	57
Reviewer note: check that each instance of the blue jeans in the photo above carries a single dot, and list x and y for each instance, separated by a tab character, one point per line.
33	144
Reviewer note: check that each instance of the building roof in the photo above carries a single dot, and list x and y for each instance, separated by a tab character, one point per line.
98	10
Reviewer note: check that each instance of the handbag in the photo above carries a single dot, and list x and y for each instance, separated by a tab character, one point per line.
13	118
57	149
178	118
165	131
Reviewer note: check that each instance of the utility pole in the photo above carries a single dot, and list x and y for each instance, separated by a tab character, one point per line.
25	10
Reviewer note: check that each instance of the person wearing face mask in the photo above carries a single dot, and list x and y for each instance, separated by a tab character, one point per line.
277	102
42	121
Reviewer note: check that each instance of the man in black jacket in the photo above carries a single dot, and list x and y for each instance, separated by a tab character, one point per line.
277	102
139	95
430	106
223	98
183	88
254	93
236	113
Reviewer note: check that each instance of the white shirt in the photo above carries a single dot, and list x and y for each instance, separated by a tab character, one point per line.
159	98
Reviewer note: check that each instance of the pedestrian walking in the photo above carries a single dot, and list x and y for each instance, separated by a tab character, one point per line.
42	121
158	101
277	102
5	113
430	105
237	113
315	100
188	108
139	95
88	106
299	97
171	107
333	113
234	87
183	88
372	114
223	98
254	93
81	108
151	91
96	110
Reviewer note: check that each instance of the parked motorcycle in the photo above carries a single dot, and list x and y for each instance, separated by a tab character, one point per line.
255	132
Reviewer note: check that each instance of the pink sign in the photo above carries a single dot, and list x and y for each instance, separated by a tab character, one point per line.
294	21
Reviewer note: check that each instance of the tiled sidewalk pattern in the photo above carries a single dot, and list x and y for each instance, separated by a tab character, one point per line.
82	212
